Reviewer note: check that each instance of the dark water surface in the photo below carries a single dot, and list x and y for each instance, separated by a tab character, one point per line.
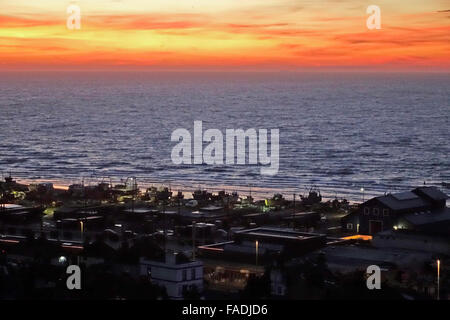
339	131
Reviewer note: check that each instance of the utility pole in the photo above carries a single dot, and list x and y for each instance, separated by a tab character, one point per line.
42	224
62	227
179	203
165	227
2	206
293	215
193	240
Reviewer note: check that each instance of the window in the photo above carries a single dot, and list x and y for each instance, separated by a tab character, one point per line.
366	210
349	226
192	274
184	275
386	212
376	211
149	271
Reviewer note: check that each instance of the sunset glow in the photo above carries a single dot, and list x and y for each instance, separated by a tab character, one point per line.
224	33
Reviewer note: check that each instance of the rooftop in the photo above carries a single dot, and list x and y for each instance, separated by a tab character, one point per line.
417	198
432	192
360	257
401	201
141	210
280	233
428	217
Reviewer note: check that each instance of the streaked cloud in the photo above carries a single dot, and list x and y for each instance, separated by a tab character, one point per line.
224	33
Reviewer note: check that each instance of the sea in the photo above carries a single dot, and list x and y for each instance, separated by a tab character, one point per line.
348	134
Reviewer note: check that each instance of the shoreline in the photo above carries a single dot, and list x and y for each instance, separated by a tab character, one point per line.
258	193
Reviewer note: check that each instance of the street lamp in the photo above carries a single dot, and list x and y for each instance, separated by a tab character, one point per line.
438	276
256	250
362	190
81	230
193	239
62	259
82	241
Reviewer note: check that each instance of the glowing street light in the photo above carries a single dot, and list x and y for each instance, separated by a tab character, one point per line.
62	259
256	250
81	229
362	190
438	276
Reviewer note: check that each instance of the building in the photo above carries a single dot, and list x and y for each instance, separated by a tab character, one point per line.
292	243
177	273
228	265
262	244
17	214
422	209
349	258
413	241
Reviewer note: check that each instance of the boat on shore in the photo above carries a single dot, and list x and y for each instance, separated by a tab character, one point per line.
314	196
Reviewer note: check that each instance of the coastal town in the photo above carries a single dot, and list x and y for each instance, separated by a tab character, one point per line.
157	243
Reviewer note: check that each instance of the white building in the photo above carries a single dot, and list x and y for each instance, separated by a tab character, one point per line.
175	274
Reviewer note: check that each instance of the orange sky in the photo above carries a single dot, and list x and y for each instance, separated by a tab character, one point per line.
283	34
